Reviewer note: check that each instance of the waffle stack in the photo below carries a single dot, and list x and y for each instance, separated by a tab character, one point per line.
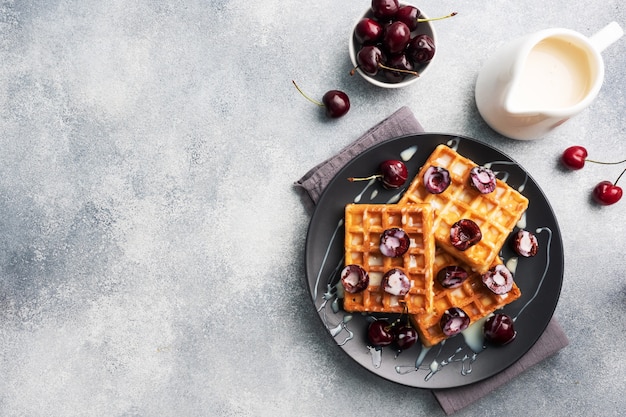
472	296
496	213
364	224
428	219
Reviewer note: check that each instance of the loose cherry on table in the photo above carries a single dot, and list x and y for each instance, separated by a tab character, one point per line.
392	173
335	102
575	157
607	192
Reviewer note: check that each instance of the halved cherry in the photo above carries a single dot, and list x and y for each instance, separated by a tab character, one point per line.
483	179
396	282
354	278
436	179
453	321
464	234
451	276
394	242
498	279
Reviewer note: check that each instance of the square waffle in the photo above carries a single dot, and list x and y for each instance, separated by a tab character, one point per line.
472	296
496	213
364	224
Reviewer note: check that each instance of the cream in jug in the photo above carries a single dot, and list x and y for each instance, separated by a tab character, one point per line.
536	83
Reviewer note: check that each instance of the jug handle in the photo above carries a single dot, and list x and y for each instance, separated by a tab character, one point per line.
606	36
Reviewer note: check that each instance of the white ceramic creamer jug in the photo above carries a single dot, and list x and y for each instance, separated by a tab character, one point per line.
537	82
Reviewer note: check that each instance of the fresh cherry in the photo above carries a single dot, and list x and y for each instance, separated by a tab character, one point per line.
394	242
498	279
371	59
395	282
607	193
451	276
393	174
408	15
575	157
453	321
483	179
379	333
384	9
499	329
368	31
405	336
335	102
436	179
396	38
421	49
401	62
354	278
464	234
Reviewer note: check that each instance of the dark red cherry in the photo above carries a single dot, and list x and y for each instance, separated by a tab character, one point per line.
369	59
483	179
396	38
394	242
354	278
453	321
405	336
525	243
394	173
379	333
499	329
401	62
464	234
451	276
384	9
436	179
421	49
395	282
336	103
607	193
408	15
498	279
574	157
368	31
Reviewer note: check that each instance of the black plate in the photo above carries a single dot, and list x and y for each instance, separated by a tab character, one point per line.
451	363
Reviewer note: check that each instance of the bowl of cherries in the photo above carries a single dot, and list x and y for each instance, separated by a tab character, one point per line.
392	44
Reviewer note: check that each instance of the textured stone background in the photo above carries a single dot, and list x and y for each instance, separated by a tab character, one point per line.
151	242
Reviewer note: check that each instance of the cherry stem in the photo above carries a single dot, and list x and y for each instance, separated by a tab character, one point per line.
371	177
430	19
620	176
305	96
398	70
605	163
353	70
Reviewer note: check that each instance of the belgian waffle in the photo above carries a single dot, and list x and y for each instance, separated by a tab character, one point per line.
364	224
472	296
496	213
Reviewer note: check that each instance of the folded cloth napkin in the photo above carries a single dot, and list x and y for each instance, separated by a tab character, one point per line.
400	123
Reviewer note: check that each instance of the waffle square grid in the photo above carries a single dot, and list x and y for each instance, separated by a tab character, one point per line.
364	224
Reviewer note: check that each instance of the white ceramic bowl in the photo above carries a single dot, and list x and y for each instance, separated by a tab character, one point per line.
379	80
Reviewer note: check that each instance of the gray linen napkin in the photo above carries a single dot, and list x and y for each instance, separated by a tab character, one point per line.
400	123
